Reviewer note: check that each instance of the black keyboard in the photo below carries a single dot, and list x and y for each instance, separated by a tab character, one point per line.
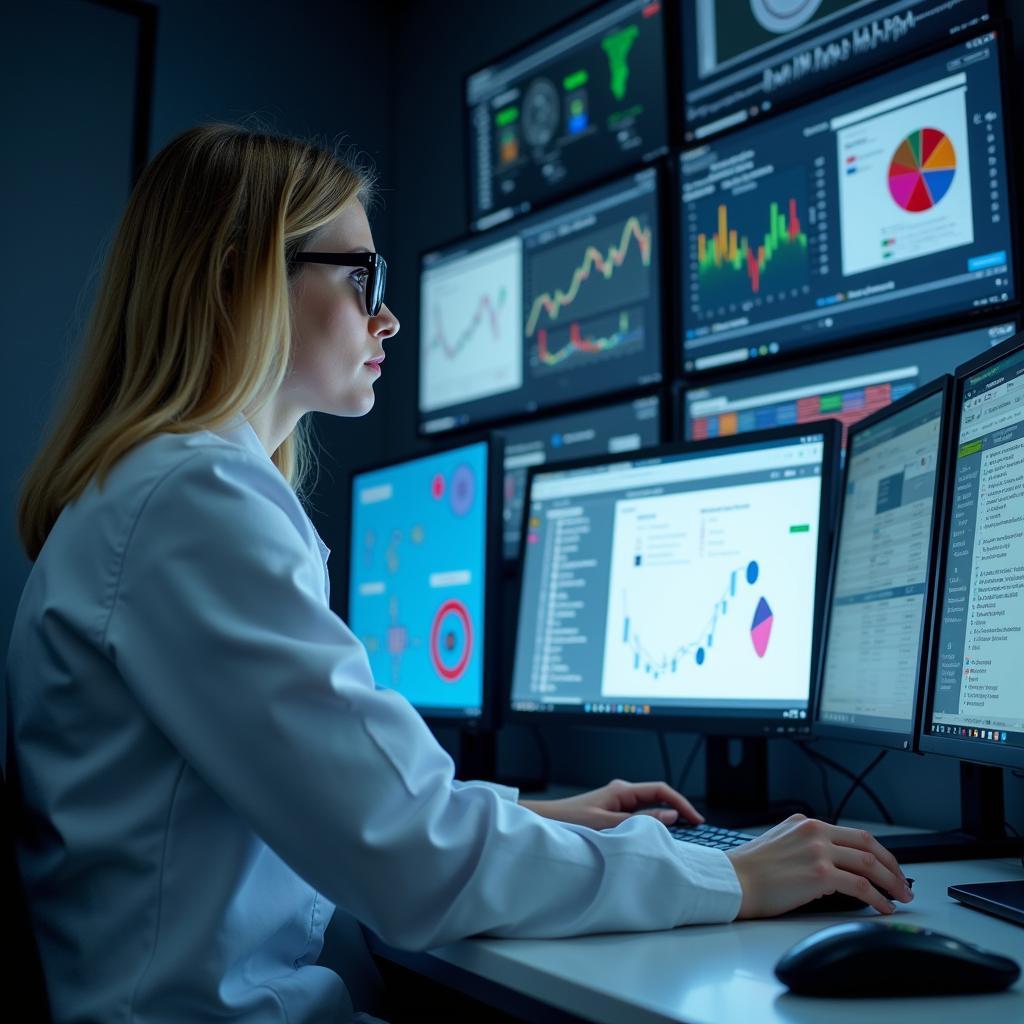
710	835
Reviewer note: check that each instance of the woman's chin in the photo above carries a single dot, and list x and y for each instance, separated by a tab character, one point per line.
361	405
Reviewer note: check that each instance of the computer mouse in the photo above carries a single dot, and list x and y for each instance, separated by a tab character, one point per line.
869	958
839	902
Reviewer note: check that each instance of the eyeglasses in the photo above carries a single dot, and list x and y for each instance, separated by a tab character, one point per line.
375	264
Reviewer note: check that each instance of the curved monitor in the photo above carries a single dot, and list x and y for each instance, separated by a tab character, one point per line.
422	551
882	588
887	203
679	586
974	708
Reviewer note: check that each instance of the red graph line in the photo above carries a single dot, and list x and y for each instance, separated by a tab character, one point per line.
576	341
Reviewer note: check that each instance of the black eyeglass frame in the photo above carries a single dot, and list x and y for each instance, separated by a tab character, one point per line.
375	264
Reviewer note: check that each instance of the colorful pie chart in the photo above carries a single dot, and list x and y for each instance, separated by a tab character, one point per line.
761	627
922	169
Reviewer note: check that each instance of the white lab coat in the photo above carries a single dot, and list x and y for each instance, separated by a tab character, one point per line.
208	769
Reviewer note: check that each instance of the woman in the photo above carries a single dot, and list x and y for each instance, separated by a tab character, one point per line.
204	765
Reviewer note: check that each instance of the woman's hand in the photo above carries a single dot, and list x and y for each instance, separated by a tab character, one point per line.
612	804
802	859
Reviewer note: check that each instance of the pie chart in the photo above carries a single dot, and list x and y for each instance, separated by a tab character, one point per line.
761	627
922	169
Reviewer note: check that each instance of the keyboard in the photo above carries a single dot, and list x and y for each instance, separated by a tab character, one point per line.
710	835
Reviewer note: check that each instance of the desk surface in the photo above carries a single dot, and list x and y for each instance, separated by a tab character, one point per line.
711	974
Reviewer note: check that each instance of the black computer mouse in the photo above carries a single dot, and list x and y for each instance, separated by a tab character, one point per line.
839	902
869	958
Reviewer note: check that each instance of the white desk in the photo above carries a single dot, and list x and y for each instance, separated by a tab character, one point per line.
714	974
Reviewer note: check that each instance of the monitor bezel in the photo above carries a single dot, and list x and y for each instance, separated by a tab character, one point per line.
507	230
889	739
929	743
714	723
936	323
490	703
673	117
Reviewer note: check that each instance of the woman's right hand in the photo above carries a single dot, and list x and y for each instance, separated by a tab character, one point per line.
801	859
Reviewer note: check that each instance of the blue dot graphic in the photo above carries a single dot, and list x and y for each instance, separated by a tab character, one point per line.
700	655
752	572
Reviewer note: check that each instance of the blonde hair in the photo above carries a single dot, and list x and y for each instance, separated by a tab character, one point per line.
191	325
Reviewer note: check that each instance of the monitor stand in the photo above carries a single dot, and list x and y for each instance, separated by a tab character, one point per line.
736	784
982	832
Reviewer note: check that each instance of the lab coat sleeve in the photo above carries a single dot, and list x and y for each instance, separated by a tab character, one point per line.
505	792
221	628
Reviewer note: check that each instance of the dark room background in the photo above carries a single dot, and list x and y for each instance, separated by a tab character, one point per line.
387	76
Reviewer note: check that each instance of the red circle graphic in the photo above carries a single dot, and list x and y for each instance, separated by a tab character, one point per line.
449	675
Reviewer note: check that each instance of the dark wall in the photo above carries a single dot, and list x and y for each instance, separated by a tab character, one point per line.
66	101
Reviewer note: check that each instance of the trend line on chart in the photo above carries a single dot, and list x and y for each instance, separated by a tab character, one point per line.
485	308
655	665
577	343
593	259
727	248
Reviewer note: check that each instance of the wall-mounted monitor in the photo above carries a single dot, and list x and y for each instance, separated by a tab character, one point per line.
887	203
744	58
580	103
847	389
562	306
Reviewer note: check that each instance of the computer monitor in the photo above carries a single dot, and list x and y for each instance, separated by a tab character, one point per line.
582	102
422	554
974	700
679	588
882	581
884	204
623	427
975	707
560	307
847	388
744	60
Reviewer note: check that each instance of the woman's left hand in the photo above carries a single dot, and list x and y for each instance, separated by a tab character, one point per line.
614	803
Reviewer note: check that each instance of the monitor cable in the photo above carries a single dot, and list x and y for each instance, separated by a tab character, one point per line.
858	783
